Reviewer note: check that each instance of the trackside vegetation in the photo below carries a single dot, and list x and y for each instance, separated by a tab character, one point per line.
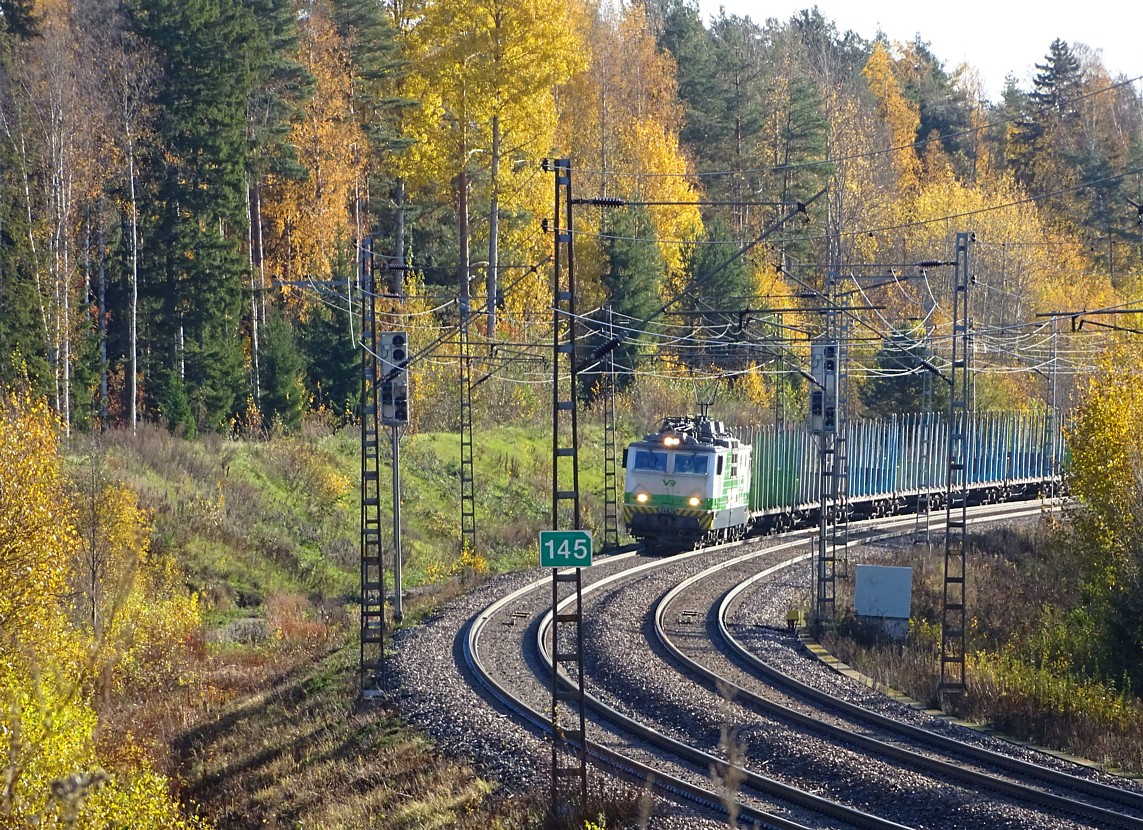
180	623
1055	642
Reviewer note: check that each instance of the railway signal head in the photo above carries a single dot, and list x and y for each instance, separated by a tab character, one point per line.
394	355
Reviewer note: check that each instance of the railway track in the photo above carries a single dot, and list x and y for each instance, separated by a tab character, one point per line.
723	661
634	728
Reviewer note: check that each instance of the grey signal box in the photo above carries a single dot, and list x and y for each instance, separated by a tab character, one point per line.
394	355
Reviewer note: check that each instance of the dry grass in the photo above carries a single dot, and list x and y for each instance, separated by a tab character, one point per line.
263	730
297	752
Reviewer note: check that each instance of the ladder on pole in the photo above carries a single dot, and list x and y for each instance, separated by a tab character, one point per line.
953	617
372	558
610	465
925	492
840	527
569	760
467	475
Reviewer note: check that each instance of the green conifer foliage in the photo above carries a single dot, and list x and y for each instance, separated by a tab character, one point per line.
198	218
22	341
283	395
634	272
333	363
720	287
897	383
18	17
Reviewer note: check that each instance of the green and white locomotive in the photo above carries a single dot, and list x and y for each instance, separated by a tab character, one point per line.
687	485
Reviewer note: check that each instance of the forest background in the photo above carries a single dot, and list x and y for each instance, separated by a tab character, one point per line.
191	190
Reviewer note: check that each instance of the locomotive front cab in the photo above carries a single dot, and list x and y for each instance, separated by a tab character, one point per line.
669	489
686	486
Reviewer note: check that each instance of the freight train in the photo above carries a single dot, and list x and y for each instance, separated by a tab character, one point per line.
696	482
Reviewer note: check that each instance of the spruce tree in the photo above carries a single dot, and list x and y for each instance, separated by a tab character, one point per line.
283	395
23	339
379	101
634	272
18	17
720	288
198	198
332	361
897	384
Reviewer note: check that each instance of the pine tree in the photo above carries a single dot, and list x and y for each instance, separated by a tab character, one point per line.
679	31
735	91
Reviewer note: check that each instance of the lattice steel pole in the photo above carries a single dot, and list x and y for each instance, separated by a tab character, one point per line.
823	422
569	761
953	616
610	466
467	470
1051	422
924	498
372	560
839	541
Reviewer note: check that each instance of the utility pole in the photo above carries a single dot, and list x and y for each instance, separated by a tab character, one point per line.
569	760
467	469
925	486
1051	422
839	540
823	423
610	466
372	658
953	616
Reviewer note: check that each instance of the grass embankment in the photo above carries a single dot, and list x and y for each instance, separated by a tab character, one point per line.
1022	586
262	730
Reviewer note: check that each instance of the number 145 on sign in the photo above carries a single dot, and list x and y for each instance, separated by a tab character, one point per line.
565	548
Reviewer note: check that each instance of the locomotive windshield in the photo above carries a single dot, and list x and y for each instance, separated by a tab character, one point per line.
687	463
655	462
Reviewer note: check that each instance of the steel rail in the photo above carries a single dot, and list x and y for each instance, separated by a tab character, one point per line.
867	743
1016	766
628	768
754	780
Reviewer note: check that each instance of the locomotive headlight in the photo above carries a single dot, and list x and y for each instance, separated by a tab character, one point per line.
640	497
670	440
694	501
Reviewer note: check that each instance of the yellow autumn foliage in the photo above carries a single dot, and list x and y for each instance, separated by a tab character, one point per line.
1105	442
900	116
50	656
620	120
309	220
35	521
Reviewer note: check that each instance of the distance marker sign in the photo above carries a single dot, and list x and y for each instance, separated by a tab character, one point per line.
565	548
